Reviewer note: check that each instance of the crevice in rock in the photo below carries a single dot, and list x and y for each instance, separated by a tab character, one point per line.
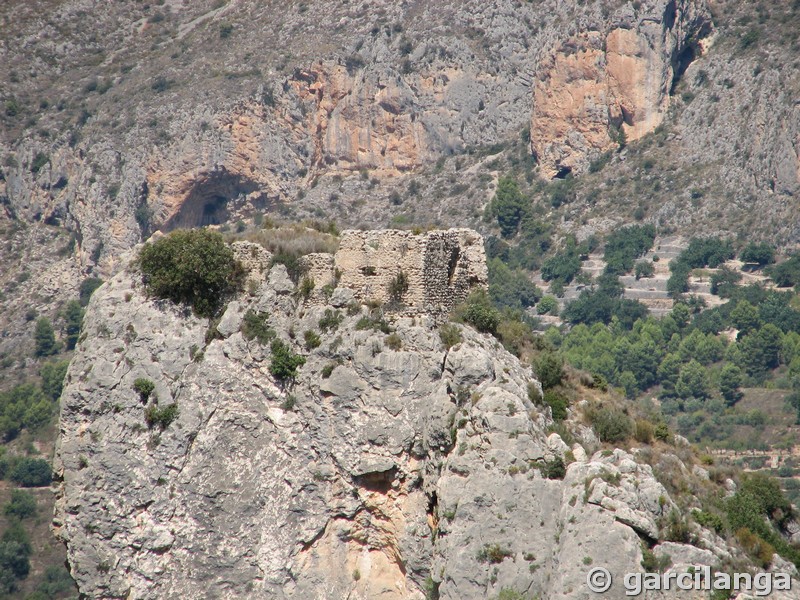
376	481
681	62
686	53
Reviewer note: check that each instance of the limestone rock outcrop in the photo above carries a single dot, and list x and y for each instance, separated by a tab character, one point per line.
386	470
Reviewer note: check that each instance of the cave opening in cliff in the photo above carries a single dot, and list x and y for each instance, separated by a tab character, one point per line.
377	481
563	172
680	63
211	199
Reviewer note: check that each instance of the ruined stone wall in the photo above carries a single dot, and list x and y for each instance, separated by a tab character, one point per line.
440	267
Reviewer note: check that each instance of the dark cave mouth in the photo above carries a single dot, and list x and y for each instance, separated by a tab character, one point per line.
211	200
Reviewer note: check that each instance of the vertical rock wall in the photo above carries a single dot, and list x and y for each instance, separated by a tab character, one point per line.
595	85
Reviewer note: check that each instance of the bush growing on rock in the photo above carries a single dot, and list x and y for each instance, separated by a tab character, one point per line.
493	554
311	339
330	321
284	362
254	326
450	335
554	469
144	387
194	267
153	415
88	287
479	312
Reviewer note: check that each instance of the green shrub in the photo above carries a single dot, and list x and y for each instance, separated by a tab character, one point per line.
562	266
306	288
284	362
549	369
144	387
643	431
330	321
162	417
45	338
55	583
480	313
554	469
450	335
509	594
508	206
709	520
32	472
677	530
558	403
88	287
311	339
652	564
39	161
625	245
662	432
23	406
548	305
290	260
511	288
724	281
644	269
611	425
393	342
73	317
375	322
195	267
493	554
398	287
21	506
15	548
254	326
52	375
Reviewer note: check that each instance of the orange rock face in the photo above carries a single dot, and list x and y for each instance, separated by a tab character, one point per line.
359	123
345	123
594	86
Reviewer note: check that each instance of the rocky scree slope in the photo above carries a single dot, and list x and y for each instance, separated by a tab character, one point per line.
388	469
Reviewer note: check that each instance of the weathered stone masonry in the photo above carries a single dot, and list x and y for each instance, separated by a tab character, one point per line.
441	267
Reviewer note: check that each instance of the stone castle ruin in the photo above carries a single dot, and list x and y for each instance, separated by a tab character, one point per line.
426	273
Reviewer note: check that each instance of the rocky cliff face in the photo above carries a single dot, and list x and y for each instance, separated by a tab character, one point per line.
600	85
389	469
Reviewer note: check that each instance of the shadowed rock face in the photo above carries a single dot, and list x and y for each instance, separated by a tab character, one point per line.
378	473
600	84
